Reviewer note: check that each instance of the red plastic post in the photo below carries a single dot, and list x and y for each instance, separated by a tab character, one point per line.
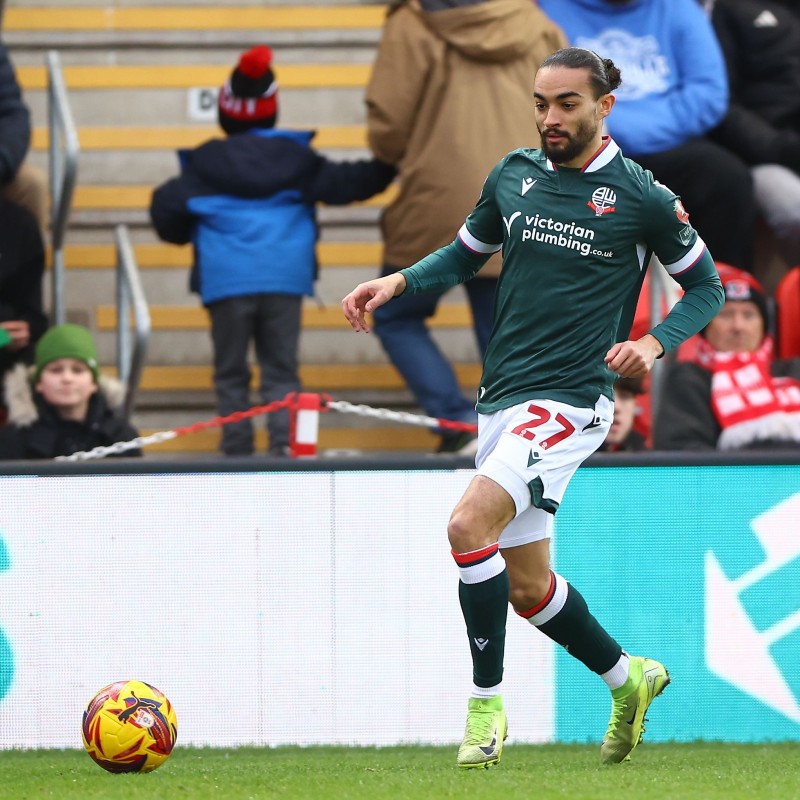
304	427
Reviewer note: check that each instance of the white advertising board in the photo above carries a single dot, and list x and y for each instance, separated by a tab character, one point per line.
277	608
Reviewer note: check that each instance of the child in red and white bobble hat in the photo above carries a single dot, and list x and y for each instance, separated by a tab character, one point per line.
247	203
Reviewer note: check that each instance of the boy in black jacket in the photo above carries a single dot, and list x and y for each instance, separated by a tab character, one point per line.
62	404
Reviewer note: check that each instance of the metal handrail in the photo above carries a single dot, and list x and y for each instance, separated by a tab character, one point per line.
63	168
130	294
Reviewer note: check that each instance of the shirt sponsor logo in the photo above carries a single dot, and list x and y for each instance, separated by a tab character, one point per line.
603	200
561	234
680	212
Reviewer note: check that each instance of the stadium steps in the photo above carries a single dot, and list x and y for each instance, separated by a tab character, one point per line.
99	24
130	68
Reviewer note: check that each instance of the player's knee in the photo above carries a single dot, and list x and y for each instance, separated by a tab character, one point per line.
463	533
526	594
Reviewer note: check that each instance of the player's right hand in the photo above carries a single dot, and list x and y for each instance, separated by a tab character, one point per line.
366	297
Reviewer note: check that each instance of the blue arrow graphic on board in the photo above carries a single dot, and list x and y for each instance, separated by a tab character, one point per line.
742	626
6	654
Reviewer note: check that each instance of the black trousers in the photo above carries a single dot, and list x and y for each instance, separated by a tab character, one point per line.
272	323
717	190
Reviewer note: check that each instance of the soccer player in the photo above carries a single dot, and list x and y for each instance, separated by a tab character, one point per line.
577	223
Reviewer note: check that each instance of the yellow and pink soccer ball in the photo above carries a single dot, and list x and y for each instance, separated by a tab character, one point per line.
129	726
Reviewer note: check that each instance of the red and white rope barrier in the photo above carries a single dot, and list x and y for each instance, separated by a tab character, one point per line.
304	410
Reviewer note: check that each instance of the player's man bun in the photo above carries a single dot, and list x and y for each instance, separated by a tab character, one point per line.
604	74
613	74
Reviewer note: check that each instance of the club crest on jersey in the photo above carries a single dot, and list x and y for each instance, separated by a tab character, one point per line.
602	201
680	212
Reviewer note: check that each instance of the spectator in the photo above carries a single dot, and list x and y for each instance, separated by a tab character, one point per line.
621	437
791	5
22	318
63	405
761	44
450	94
732	394
246	203
674	93
20	182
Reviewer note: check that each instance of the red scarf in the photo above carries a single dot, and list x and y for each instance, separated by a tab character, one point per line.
749	403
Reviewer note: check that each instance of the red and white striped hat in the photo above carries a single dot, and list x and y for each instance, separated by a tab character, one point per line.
249	98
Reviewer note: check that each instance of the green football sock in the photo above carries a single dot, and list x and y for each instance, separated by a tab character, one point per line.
485	609
564	616
583	637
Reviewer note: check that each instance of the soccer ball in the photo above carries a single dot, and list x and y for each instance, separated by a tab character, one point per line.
129	726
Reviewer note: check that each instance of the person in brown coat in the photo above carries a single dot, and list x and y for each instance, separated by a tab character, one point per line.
451	92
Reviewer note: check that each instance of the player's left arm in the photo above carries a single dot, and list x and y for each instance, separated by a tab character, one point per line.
702	300
685	257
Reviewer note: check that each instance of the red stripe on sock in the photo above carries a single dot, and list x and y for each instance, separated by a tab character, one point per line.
540	606
465	559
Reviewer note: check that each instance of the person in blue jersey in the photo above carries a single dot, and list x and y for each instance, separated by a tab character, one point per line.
247	204
675	93
578	224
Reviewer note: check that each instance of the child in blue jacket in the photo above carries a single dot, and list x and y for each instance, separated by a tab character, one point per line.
247	204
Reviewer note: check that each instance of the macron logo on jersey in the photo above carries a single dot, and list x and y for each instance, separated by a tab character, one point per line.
527	185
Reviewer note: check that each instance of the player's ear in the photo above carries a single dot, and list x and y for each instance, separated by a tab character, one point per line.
604	105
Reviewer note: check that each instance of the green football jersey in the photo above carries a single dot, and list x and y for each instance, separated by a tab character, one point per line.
576	245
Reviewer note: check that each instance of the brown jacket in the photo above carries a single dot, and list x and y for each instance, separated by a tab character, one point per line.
451	93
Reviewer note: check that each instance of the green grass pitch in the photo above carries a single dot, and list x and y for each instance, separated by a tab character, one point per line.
657	772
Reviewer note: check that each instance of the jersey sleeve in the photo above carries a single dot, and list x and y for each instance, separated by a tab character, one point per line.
668	231
476	241
483	229
686	259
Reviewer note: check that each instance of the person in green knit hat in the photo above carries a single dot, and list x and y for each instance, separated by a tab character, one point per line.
62	404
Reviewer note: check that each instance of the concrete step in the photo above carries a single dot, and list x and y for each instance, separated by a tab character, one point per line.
195	318
332	342
330	378
98	26
332	441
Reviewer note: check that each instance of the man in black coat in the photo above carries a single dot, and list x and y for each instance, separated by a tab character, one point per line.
18	181
22	318
761	43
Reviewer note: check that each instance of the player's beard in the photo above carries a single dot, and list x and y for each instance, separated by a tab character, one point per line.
574	145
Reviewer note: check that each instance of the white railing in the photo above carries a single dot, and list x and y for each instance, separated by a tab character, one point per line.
131	344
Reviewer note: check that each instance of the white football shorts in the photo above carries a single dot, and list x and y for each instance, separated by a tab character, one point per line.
532	450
